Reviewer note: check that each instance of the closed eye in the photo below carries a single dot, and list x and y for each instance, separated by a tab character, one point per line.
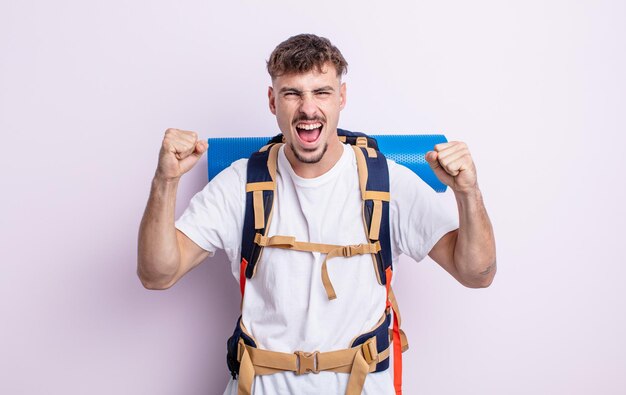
291	94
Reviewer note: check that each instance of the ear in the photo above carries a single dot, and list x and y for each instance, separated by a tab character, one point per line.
272	99
342	95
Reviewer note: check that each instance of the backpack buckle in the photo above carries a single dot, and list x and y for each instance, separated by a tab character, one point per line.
352	250
306	362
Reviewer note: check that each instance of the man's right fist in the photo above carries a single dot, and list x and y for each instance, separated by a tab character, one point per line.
180	151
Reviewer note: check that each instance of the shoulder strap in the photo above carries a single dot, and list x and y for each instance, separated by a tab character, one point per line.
374	184
357	138
260	186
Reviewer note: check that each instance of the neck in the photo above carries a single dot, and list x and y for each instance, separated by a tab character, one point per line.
312	170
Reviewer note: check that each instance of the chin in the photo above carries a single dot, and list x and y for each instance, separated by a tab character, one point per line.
310	157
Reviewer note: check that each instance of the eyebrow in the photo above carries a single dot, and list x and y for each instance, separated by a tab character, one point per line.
289	89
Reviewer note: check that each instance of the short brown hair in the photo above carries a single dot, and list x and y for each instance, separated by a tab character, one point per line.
303	53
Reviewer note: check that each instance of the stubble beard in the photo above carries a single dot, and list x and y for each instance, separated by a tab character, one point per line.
309	160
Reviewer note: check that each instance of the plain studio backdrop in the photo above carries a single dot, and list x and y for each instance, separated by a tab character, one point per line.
87	89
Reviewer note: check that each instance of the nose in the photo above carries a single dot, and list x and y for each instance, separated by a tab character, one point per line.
308	105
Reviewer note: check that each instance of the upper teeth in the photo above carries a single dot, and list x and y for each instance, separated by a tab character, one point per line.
309	127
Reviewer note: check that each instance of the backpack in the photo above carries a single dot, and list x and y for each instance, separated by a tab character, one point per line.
369	352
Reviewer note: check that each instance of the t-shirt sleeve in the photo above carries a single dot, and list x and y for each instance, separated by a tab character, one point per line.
419	216
214	217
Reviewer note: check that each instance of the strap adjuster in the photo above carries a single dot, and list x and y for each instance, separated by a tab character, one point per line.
306	362
260	239
370	351
361	142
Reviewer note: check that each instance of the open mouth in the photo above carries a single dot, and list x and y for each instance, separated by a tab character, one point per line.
309	132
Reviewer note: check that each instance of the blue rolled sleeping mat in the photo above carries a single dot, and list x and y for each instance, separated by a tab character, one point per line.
406	149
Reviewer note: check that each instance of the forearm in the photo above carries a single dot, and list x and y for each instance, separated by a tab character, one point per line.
475	250
158	255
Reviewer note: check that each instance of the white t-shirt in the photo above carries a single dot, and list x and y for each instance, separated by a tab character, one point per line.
285	306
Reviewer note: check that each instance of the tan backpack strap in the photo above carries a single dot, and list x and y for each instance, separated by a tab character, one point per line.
396	311
346	251
357	375
394	305
362	169
290	243
259	210
246	373
272	160
358	361
332	251
260	186
257	188
377	195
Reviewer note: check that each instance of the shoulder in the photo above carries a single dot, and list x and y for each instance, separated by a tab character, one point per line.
400	177
226	185
239	168
410	192
236	172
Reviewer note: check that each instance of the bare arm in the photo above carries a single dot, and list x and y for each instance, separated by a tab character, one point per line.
165	254
469	253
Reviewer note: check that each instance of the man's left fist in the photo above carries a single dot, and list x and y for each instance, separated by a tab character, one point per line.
453	165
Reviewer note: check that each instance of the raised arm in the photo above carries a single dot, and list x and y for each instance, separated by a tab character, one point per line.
469	253
164	253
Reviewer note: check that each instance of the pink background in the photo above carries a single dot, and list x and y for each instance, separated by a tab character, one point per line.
536	88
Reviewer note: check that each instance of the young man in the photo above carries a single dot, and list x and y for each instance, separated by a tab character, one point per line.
317	200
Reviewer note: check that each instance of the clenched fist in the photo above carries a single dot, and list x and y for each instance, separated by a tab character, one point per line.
180	151
453	165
